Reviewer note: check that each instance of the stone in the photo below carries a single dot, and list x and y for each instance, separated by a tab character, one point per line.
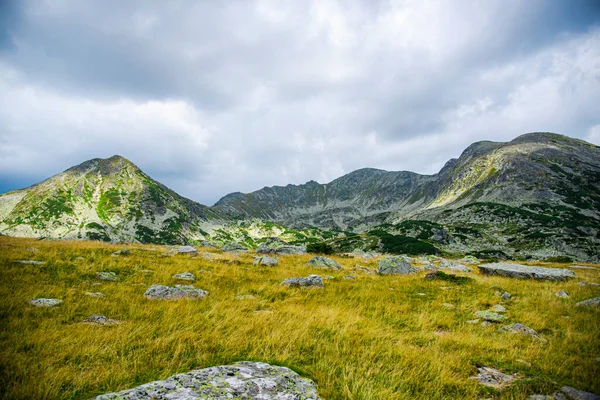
430	267
520	329
323	262
162	292
574	394
311	281
275	245
187	250
101	320
454	267
107	276
469	260
94	294
234	247
562	294
503	295
363	269
45	302
526	272
593	302
349	277
490	316
122	252
493	378
581	267
486	323
265	260
498	309
31	262
395	265
242	380
185	276
582	283
33	249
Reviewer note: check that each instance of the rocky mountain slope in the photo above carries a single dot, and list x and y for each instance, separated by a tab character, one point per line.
104	199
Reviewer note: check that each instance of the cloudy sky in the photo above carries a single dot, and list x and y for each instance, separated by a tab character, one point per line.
211	97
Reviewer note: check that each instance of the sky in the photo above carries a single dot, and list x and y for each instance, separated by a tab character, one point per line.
211	97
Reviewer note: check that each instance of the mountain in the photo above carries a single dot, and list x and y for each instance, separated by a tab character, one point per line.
104	199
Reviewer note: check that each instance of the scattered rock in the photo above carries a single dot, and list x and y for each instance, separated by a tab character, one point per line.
234	247
575	394
323	262
469	260
498	308
562	294
524	271
275	245
486	323
454	267
582	283
31	262
593	302
101	320
187	250
45	302
490	316
242	380
520	329
493	378
122	252
311	281
504	295
349	277
364	270
174	292
107	276
395	265
94	294
185	276
265	260
430	267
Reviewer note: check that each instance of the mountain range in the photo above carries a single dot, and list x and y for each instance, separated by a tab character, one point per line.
537	195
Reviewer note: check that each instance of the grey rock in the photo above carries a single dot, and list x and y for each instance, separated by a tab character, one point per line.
395	265
311	281
101	320
94	294
243	380
430	267
454	267
349	277
323	262
234	247
520	329
574	394
31	262
275	245
363	269
504	295
525	272
185	276
33	249
107	276
583	283
490	316
265	260
498	309
162	292
493	378
486	323
562	294
581	267
469	260
593	302
187	250
45	302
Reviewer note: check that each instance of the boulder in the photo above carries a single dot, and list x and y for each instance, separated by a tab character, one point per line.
520	329
493	378
45	302
395	265
526	272
242	380
323	262
562	294
490	316
275	245
498	308
107	276
185	276
454	267
593	302
162	292
187	250
234	247
265	260
311	281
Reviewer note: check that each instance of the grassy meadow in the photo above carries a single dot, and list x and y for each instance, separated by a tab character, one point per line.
373	337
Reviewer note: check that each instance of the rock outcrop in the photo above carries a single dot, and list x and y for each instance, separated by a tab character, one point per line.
311	281
162	292
265	260
526	272
395	265
275	245
323	262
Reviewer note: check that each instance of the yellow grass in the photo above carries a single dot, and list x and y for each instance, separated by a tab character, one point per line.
373	337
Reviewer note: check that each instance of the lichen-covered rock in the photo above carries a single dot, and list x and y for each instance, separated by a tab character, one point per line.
107	276
562	294
101	320
493	378
454	267
174	292
323	262
395	265
242	380
574	394
525	271
45	302
311	281
520	329
234	247
185	276
363	269
187	250
498	308
275	245
265	260
593	302
490	316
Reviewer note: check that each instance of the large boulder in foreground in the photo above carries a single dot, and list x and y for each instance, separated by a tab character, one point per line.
162	292
275	245
242	380
526	272
395	265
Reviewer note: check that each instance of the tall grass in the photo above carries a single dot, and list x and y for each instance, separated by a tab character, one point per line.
374	337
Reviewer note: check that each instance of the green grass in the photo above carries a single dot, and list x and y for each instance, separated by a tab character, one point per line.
373	337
